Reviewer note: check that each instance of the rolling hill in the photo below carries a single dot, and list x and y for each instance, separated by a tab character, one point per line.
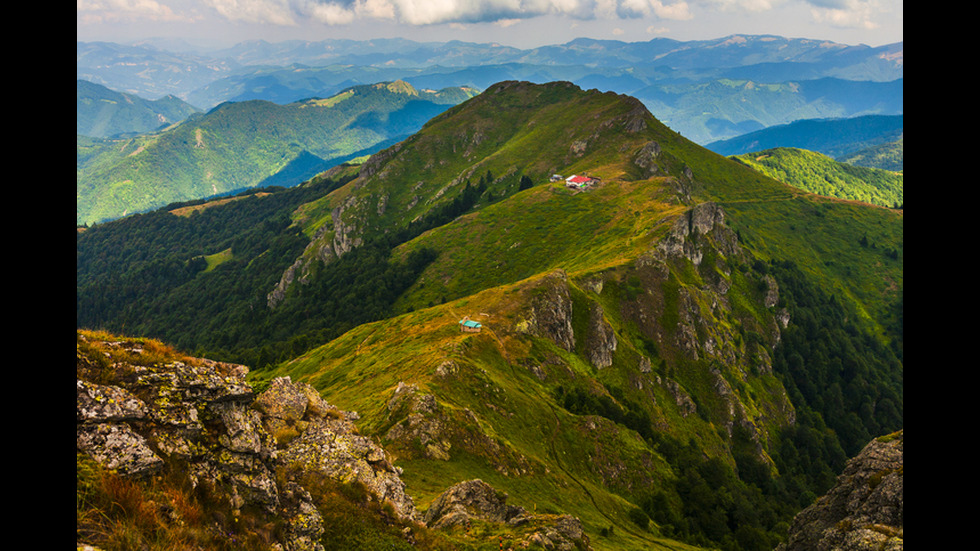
237	146
685	350
101	112
820	174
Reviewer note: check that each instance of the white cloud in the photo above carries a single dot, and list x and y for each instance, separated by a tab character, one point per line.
100	11
654	9
648	14
273	12
845	18
741	6
428	12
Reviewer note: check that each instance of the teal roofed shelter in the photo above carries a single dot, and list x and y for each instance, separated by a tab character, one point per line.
470	326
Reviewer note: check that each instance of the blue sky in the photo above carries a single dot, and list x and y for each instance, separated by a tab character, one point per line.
519	23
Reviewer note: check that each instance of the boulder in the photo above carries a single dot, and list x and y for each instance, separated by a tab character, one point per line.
476	500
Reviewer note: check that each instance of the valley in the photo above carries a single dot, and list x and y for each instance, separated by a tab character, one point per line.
683	356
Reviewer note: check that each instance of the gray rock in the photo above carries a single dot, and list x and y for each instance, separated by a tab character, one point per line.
475	499
864	511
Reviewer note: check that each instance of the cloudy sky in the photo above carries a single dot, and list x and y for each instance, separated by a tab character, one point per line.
520	23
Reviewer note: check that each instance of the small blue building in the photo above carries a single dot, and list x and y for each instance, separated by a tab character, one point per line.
470	326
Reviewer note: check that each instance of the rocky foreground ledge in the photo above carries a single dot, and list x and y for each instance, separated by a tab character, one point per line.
139	411
864	511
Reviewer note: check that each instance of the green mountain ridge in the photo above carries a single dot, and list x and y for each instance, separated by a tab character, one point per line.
240	145
820	174
706	89
687	350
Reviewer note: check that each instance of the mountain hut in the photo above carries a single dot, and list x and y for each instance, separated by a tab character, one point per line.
469	326
579	182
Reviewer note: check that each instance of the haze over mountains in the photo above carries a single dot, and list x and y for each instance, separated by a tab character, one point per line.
751	81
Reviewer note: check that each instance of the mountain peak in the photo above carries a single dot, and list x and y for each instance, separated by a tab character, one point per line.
398	87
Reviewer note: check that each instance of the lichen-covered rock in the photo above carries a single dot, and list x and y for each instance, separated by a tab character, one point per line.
118	447
304	524
135	416
562	533
327	442
864	511
144	413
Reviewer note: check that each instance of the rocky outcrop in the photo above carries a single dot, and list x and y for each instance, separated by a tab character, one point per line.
318	437
864	511
197	414
475	499
424	424
421	426
470	499
646	159
137	415
600	342
683	241
550	312
329	242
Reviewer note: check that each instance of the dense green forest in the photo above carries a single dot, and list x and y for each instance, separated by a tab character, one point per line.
167	284
820	174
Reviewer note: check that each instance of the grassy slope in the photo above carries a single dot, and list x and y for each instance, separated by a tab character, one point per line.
540	452
484	260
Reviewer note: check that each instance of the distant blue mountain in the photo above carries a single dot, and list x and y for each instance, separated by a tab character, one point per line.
832	137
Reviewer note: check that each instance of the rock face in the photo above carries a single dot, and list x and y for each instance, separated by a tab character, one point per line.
550	313
137	415
864	511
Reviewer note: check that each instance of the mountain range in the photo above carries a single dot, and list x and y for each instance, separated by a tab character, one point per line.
240	145
838	138
680	352
770	79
